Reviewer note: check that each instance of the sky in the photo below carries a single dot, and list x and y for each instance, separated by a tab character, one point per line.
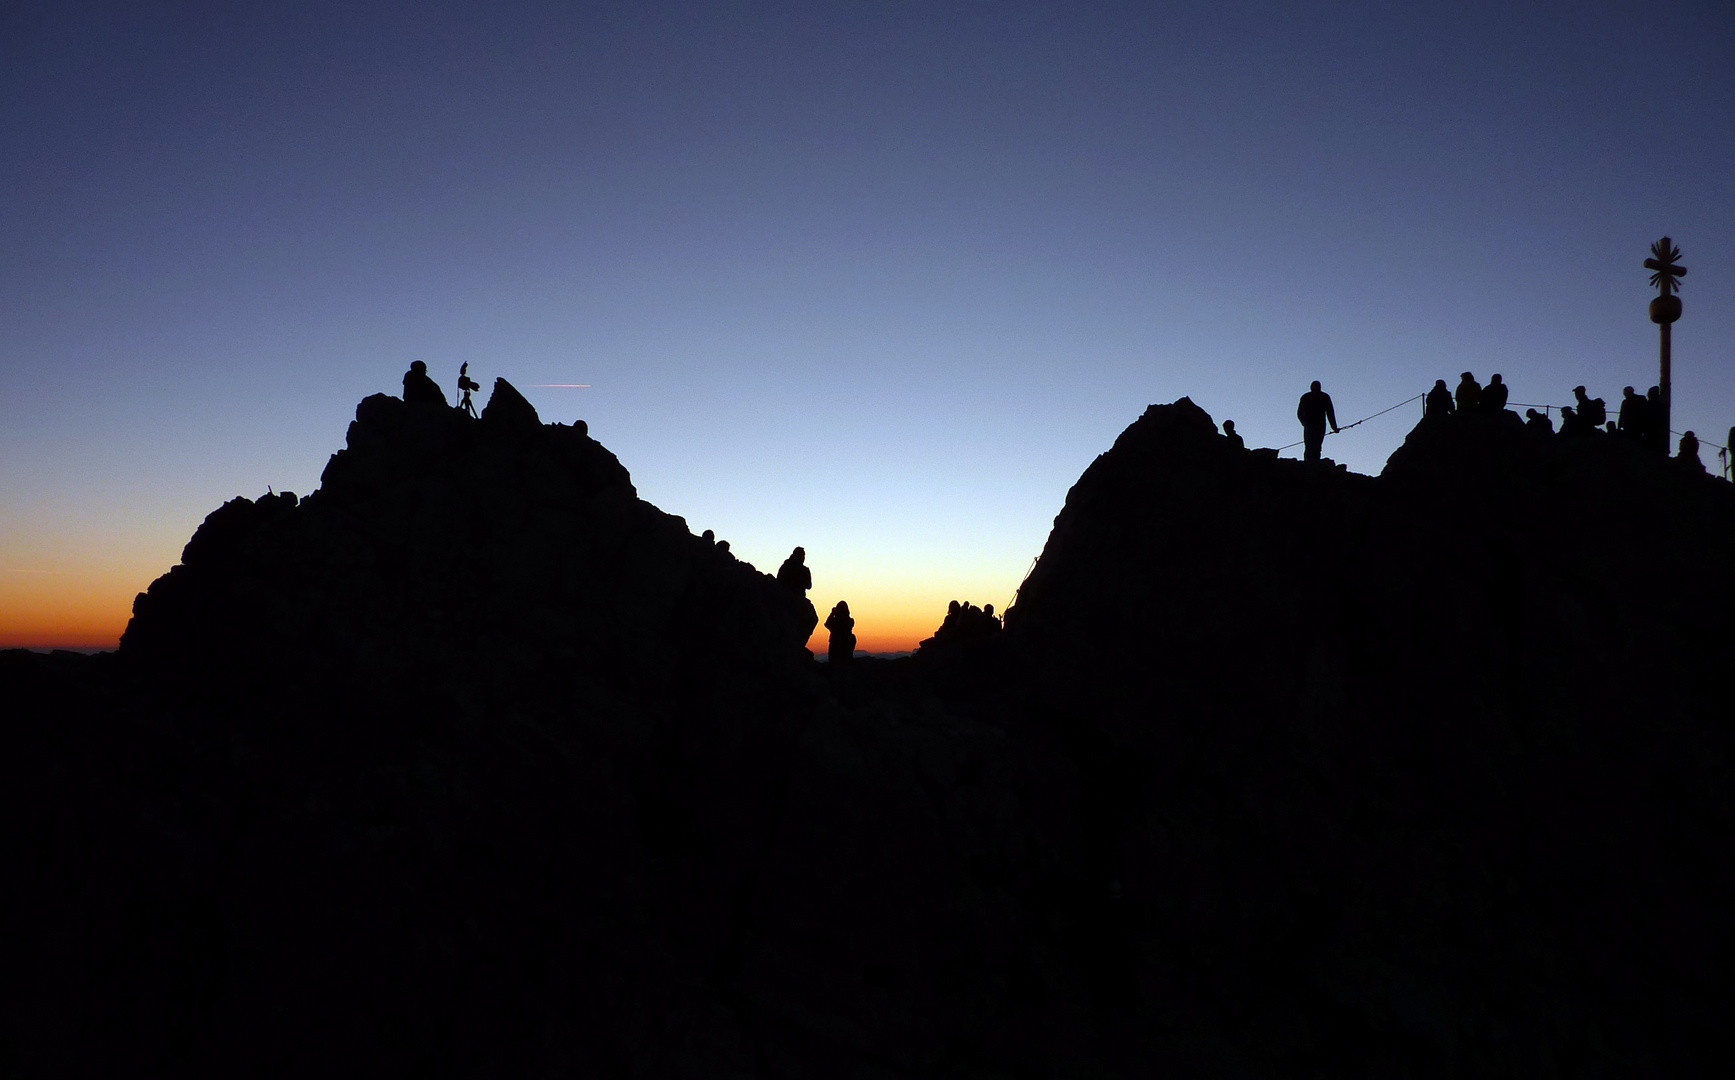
877	279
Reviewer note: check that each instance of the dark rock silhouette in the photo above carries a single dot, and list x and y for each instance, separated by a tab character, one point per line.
507	407
473	763
842	627
1547	844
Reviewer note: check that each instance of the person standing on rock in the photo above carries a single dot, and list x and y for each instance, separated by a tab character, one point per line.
1235	440
1632	414
842	627
418	387
796	579
1315	412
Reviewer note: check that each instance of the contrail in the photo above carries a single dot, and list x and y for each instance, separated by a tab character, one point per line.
561	385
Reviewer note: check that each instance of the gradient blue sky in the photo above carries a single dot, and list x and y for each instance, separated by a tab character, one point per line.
880	279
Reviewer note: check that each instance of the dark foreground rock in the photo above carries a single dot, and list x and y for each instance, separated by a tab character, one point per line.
473	763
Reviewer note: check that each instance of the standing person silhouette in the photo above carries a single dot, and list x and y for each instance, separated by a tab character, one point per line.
842	627
796	579
1315	411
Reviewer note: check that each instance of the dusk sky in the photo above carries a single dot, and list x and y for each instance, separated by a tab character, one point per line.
879	279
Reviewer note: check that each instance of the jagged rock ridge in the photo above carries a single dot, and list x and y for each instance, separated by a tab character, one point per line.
474	763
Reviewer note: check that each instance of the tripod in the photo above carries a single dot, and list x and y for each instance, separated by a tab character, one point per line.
465	385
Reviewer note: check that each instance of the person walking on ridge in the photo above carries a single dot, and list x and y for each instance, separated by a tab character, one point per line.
1315	411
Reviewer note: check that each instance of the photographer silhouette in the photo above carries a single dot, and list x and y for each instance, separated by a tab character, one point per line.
465	385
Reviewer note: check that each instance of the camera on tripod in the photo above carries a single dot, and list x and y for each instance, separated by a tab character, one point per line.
465	385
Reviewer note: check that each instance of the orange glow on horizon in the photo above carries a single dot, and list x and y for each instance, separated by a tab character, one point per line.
53	611
42	610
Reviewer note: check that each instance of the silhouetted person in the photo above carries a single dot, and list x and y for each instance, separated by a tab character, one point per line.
1315	411
1632	414
1439	401
1593	410
1611	428
1688	453
842	628
1469	393
1235	441
1656	430
989	621
723	546
1494	395
1573	423
708	536
1537	422
796	579
794	575
418	387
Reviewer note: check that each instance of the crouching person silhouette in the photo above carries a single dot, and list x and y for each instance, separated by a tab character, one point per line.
418	387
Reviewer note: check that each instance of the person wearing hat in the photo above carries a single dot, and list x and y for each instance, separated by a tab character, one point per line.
1688	453
1593	411
419	387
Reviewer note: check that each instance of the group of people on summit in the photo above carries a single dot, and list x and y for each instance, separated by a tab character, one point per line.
1640	417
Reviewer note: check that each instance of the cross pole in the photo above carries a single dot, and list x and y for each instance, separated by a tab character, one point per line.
1665	309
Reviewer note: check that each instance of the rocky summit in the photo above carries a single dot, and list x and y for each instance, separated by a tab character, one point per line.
473	763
